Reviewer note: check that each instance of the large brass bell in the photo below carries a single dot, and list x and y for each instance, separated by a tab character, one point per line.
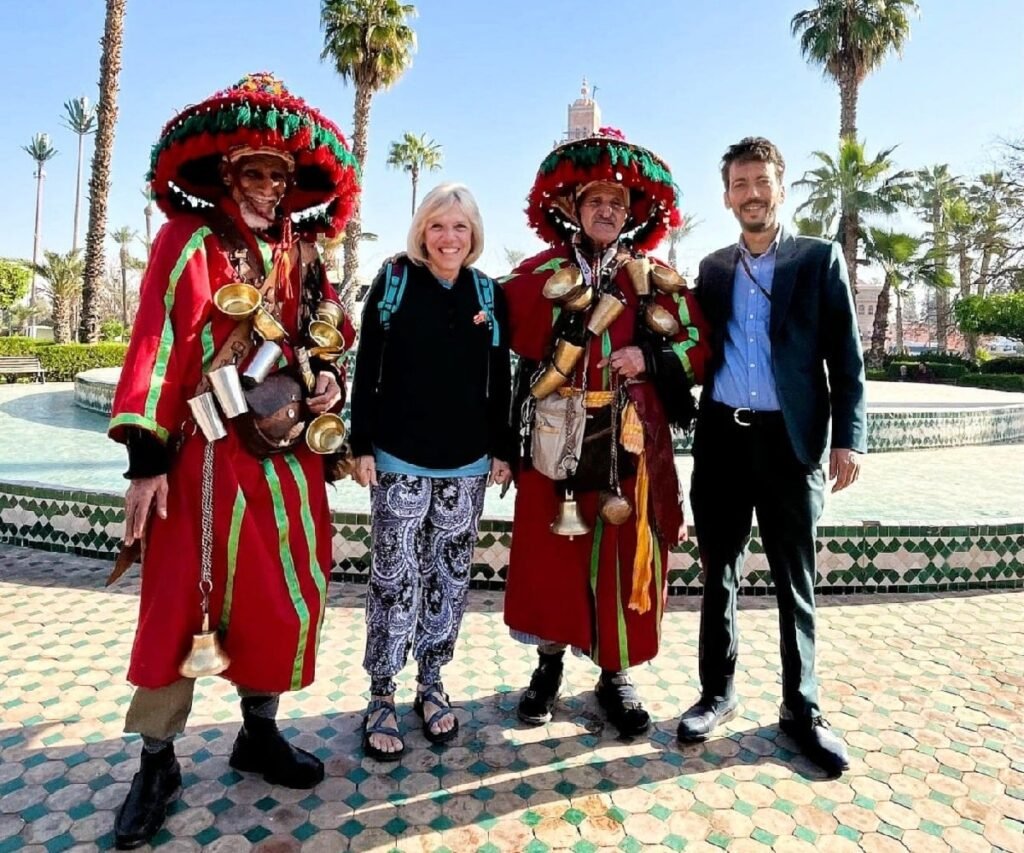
569	522
566	356
660	320
614	508
605	313
564	284
667	280
550	380
206	656
639	272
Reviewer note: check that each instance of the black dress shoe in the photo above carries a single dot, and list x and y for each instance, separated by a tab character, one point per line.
621	703
153	788
538	700
260	748
819	743
701	719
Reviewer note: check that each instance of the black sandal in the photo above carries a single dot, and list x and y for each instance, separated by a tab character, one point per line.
378	728
436	696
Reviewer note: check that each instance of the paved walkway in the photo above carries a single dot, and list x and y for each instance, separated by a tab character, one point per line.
928	691
45	439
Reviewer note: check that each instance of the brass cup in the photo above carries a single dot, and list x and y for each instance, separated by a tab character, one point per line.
329	311
607	311
581	302
566	356
639	272
237	300
660	320
666	279
551	380
325	335
325	433
614	508
267	326
328	354
564	284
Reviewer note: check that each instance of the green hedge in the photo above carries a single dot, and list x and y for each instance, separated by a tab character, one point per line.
63	361
1003	365
875	375
993	381
935	357
938	371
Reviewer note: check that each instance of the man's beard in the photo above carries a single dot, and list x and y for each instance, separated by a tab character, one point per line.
253	218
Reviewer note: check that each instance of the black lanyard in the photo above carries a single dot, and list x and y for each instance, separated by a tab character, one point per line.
750	275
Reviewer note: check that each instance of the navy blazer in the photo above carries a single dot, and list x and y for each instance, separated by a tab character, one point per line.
812	325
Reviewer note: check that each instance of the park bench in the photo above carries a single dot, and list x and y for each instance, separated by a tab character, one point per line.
14	365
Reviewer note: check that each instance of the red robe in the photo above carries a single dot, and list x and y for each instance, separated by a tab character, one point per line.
577	591
271	521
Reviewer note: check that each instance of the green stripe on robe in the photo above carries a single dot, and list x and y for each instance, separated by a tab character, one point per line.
309	528
234	532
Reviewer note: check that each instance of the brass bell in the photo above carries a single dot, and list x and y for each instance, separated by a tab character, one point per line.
581	302
206	656
639	272
549	381
569	522
606	312
666	279
325	433
564	284
566	356
237	300
660	320
614	508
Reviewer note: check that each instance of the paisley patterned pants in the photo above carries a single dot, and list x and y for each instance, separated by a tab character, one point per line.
424	530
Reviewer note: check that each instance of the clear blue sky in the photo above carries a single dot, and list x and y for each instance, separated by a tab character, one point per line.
491	83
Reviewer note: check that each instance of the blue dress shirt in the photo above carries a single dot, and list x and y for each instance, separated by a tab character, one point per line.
745	379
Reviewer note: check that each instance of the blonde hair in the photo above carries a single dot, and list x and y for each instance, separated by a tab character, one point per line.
438	199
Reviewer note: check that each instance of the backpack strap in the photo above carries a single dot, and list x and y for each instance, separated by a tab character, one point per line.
395	276
485	295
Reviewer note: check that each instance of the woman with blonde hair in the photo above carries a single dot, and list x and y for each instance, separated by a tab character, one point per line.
430	432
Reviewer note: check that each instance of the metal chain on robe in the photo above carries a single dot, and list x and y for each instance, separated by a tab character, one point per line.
206	548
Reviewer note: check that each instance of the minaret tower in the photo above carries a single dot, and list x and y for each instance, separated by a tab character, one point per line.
584	115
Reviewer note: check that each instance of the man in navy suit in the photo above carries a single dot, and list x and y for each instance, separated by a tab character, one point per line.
781	312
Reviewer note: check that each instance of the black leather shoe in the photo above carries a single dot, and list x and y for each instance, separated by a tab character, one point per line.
538	700
618	697
260	748
819	743
701	719
153	788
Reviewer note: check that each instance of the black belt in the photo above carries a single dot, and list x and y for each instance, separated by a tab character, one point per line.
745	417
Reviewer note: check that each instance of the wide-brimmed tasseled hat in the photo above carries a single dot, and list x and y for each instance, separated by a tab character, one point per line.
607	156
257	115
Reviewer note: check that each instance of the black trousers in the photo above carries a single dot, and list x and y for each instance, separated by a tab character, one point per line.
737	471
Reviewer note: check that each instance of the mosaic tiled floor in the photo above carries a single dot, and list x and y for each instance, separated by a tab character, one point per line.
927	690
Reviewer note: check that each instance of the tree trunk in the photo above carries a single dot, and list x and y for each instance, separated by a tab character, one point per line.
124	289
78	190
40	176
61	319
847	104
899	322
986	265
671	253
148	211
360	126
941	250
851	238
99	181
880	328
415	180
970	338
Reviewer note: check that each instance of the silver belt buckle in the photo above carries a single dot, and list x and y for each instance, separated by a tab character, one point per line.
738	420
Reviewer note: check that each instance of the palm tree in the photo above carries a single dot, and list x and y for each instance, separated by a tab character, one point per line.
63	274
80	119
844	188
849	39
99	182
678	234
123	237
371	45
147	211
40	150
412	154
934	187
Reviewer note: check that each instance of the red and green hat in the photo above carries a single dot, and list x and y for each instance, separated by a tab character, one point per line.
257	113
607	156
